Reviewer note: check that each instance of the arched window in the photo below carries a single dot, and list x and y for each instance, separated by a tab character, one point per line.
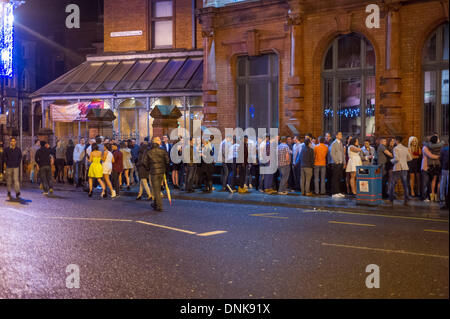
348	77
435	83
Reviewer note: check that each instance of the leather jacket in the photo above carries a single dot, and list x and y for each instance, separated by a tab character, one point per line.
156	160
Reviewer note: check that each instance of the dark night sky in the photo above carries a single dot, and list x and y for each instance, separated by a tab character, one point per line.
47	16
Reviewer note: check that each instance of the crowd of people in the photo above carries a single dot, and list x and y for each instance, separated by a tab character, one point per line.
323	166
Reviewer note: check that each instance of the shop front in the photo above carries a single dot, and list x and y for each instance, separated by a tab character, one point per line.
131	86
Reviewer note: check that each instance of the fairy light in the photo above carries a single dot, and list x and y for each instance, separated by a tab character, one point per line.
6	38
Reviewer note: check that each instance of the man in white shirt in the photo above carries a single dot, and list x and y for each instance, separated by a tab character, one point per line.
401	158
78	161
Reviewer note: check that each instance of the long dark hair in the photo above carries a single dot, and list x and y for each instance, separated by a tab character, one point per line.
94	147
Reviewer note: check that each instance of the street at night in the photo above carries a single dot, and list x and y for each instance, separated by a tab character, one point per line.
196	249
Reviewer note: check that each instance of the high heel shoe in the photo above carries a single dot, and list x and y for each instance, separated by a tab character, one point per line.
139	197
90	194
104	194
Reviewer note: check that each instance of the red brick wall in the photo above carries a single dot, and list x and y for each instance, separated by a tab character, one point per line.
133	15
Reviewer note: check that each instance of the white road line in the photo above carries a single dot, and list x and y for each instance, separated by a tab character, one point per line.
375	215
269	215
87	218
354	224
20	212
212	233
385	250
167	227
436	231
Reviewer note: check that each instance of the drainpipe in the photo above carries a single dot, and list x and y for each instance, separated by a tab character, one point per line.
194	25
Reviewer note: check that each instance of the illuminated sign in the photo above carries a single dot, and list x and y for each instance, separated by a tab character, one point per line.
6	38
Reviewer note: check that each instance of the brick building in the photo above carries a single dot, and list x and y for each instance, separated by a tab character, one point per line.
300	65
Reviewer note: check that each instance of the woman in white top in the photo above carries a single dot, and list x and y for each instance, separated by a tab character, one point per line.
108	160
127	164
354	160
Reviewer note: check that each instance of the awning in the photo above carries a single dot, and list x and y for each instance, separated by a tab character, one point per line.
141	75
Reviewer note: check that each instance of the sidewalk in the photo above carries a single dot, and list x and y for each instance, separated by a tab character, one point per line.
416	208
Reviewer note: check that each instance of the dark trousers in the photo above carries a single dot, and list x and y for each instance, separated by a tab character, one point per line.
328	174
425	181
45	172
156	181
206	175
297	172
190	174
232	174
384	181
337	171
115	181
242	171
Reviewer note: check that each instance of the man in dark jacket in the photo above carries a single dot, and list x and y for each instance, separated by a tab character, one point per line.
157	161
44	161
12	156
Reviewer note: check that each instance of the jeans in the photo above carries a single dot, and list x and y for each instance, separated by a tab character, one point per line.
305	180
284	172
78	168
45	173
319	170
403	175
297	170
33	175
225	174
444	184
12	177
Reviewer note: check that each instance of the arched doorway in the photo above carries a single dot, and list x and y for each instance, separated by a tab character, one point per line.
435	82
348	86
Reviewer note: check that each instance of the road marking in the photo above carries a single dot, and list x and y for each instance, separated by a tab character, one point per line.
212	233
20	212
385	250
436	231
376	215
93	219
355	224
269	215
167	227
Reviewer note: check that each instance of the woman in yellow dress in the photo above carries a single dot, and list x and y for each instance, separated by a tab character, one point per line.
96	169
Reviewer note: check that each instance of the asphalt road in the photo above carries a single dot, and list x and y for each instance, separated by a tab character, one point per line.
213	250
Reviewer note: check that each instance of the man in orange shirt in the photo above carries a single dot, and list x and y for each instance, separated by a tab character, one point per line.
320	164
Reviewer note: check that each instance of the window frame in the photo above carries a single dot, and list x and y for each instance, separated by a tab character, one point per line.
153	19
438	66
335	74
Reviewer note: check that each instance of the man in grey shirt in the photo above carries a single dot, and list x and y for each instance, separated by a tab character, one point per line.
337	161
400	161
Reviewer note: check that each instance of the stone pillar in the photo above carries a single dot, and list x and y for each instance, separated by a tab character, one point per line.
206	18
295	106
390	116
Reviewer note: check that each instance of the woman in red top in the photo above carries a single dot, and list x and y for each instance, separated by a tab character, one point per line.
117	168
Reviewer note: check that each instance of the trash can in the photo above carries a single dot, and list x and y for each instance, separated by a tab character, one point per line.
368	184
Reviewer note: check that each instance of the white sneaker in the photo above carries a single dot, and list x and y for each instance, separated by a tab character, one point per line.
336	196
113	194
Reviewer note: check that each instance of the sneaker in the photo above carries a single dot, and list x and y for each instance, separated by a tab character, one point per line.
45	193
336	196
282	193
113	194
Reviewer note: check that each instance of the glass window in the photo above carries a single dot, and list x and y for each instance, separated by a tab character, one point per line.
163	9
185	73
430	49
150	74
259	65
162	24
162	33
349	52
349	87
435	83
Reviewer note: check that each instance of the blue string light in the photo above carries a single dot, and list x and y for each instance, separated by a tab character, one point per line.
350	112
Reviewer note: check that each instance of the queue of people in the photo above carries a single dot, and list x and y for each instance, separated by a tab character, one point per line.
323	166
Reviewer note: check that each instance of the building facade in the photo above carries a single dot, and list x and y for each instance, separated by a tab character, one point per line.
315	66
300	65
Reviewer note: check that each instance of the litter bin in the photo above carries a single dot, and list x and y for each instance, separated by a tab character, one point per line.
368	184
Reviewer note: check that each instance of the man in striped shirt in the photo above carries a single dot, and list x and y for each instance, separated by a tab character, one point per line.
284	164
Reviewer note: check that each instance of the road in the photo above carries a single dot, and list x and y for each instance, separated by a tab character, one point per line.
213	250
